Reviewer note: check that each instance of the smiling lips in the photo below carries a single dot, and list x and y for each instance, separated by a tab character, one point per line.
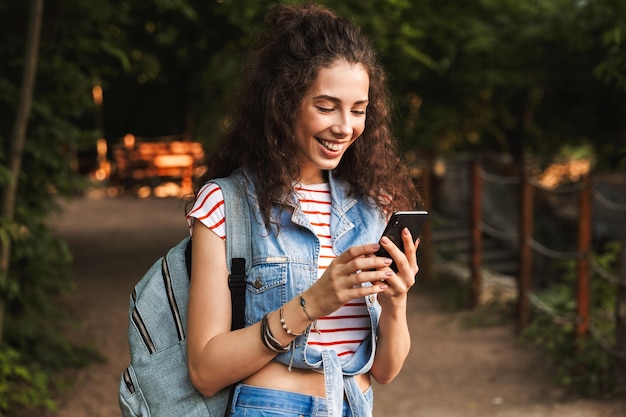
332	146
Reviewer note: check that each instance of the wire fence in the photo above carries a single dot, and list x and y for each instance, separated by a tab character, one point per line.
475	178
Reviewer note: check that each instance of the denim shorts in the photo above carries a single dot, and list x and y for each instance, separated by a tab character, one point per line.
250	401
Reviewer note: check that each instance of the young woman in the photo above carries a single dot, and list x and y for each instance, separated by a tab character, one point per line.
311	134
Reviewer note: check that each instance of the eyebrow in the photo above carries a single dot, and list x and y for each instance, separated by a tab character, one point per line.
336	100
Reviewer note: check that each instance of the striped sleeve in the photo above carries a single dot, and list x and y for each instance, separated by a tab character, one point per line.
209	209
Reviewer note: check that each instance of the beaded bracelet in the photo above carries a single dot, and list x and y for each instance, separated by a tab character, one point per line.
284	325
268	339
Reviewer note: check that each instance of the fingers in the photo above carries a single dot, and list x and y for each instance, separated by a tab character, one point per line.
341	282
406	262
359	258
356	266
410	245
358	251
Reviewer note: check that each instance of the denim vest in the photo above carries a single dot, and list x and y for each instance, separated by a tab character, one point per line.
285	264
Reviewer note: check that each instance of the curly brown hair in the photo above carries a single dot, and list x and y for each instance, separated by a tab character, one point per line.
298	42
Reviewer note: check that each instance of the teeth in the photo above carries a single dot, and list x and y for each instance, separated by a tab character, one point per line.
330	145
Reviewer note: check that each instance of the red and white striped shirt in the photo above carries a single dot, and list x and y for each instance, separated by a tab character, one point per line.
345	329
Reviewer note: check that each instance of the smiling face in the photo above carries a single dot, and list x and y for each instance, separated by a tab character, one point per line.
331	117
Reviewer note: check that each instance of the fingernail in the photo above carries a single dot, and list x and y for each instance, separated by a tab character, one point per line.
388	261
385	240
375	246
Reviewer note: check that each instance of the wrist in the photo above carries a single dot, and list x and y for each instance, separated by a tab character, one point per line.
289	321
270	341
393	306
308	306
303	306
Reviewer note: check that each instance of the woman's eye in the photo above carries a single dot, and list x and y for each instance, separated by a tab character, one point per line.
358	112
325	109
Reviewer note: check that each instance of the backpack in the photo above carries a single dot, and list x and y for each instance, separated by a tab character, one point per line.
156	383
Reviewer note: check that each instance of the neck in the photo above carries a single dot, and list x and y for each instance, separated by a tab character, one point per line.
318	178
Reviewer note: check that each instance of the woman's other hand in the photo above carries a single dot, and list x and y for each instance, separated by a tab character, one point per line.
341	282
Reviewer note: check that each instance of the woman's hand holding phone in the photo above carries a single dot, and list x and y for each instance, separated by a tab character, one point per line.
413	221
341	282
399	242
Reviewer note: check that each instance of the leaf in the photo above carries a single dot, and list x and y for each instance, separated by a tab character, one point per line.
118	53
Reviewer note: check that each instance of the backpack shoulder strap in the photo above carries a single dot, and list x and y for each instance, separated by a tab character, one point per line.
238	242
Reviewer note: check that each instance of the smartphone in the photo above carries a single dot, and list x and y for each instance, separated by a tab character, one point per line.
413	220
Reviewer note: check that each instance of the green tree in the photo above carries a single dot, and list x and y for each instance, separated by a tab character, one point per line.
185	60
73	43
18	137
499	75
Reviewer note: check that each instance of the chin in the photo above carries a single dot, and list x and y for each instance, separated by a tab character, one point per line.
329	167
329	164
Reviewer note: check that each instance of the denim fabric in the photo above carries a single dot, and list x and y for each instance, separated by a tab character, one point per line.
156	382
249	401
285	264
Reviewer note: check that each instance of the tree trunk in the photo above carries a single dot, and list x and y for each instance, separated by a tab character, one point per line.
620	312
18	134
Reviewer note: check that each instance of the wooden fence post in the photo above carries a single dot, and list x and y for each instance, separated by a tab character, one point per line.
584	253
475	223
526	226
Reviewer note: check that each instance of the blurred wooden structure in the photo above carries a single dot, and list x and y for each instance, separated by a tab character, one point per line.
150	162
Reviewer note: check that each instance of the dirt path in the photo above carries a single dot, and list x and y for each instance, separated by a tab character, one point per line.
452	371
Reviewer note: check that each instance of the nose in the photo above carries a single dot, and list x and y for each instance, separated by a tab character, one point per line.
342	125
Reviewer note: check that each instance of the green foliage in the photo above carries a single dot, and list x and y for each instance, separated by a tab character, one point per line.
35	322
38	291
61	126
498	75
584	366
612	70
9	231
21	386
39	274
501	75
185	59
